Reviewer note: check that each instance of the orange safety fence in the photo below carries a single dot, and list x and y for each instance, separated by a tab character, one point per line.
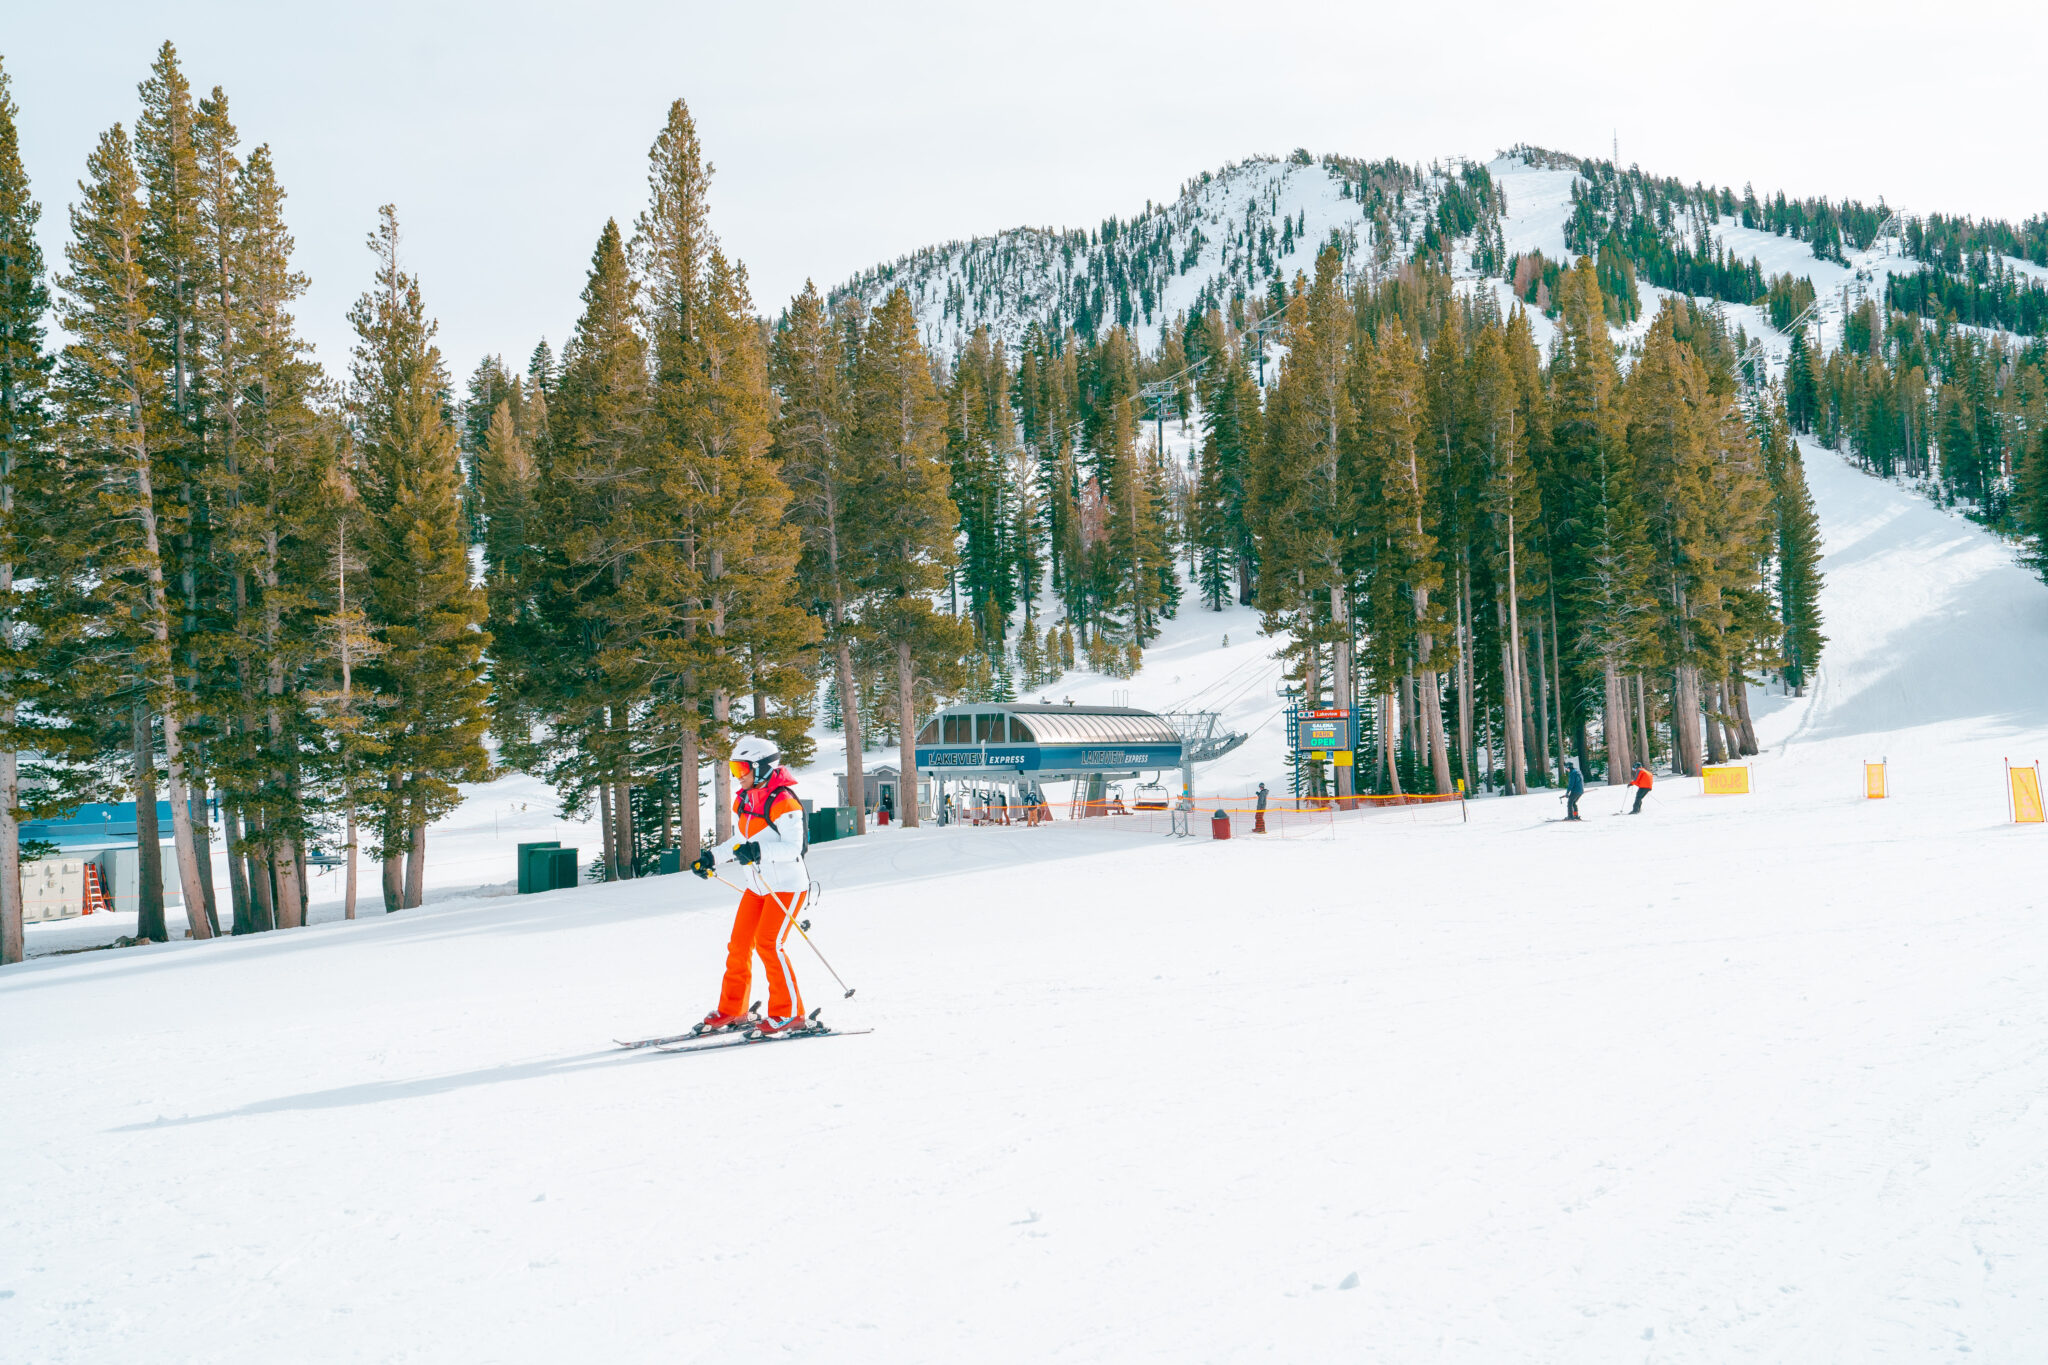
1285	817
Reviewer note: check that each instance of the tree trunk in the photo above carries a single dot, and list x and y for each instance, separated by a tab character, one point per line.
1532	734
721	776
1517	680
1685	720
262	909
13	944
1716	751
849	711
1739	688
394	880
1557	678
604	830
1513	749
690	838
1389	748
149	853
1644	753
416	867
622	827
182	831
158	623
202	834
238	871
1433	718
348	895
906	737
1620	764
1542	690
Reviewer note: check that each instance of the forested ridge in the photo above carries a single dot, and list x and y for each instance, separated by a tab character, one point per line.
324	601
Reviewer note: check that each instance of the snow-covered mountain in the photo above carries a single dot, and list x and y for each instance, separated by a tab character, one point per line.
1236	231
1239	231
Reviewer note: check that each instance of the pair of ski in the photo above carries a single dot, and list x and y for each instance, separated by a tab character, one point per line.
696	1041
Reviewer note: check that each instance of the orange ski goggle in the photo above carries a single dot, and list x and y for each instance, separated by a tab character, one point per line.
741	770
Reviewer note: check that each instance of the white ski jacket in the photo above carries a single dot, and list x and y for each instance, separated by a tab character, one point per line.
781	869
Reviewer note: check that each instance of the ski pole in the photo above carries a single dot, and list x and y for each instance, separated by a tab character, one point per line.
784	905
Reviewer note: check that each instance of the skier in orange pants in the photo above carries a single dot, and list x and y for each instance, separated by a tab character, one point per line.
770	845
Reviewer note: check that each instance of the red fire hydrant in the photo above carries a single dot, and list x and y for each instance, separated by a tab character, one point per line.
1219	825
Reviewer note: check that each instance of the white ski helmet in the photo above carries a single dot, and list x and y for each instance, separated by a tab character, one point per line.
759	757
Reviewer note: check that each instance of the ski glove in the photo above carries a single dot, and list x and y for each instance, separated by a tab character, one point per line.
746	854
702	865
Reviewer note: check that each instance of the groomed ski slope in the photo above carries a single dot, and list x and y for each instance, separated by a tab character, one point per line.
1743	1079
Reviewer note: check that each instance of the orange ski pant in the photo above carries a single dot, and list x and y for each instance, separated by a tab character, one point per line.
762	926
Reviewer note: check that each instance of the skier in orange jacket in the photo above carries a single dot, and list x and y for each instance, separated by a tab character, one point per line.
770	845
1642	782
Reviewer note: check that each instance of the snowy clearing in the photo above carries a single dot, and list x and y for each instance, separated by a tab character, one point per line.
1742	1079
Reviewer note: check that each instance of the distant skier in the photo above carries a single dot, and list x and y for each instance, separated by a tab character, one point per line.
1574	788
1259	823
1642	782
770	845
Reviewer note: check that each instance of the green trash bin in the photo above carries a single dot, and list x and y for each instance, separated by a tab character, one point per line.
534	876
671	860
546	867
831	822
561	867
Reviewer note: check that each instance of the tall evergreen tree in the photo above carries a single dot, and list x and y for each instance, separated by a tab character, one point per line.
899	427
29	490
723	597
595	499
817	455
112	377
428	681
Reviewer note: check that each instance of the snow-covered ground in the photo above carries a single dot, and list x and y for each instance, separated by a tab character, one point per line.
1742	1079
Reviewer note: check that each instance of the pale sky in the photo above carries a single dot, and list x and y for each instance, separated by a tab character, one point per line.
845	134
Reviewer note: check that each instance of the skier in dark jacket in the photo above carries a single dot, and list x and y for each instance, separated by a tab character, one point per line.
1260	826
1574	788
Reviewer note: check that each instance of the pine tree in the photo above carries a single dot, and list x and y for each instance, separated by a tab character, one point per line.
816	454
1802	388
1587	438
1407	575
167	156
428	682
1799	565
720	591
112	378
508	486
980	436
899	427
29	487
584	671
271	483
1222	522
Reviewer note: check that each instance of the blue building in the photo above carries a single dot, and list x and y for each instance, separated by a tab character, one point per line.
111	822
1045	743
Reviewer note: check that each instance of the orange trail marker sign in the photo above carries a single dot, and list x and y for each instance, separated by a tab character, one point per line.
1874	781
2023	786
